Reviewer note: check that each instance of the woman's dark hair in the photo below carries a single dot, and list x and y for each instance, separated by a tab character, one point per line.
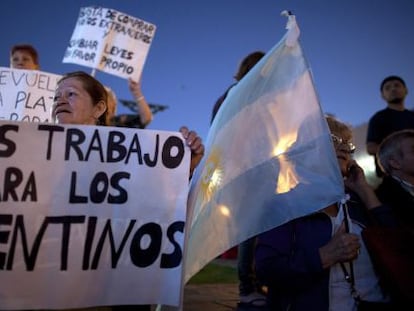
247	63
94	88
28	48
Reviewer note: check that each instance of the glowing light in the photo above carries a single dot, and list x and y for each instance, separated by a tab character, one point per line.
212	174
284	143
225	211
287	178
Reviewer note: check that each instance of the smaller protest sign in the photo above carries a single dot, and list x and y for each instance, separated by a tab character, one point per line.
110	41
26	95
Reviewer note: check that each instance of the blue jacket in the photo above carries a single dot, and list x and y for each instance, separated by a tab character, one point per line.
288	261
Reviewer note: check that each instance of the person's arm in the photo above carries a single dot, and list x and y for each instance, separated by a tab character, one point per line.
144	110
357	182
342	247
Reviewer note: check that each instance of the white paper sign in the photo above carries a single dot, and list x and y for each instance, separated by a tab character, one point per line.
90	215
110	41
26	95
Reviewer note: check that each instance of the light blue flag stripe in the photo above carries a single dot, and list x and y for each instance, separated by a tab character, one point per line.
269	158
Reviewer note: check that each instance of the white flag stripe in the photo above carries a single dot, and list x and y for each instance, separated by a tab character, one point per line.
269	159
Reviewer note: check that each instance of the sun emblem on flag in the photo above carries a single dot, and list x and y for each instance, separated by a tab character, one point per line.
212	174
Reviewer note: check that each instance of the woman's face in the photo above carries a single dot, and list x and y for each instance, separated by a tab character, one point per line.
73	105
344	150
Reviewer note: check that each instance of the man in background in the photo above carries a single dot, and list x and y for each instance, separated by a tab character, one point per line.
393	118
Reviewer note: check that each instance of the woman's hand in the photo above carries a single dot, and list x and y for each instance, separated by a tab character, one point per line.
356	181
341	248
196	145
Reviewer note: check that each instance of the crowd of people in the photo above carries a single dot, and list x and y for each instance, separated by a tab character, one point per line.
319	261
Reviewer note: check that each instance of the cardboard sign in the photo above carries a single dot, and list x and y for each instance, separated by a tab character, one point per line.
90	215
26	95
110	41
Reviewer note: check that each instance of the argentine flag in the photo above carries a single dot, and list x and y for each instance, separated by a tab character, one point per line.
269	157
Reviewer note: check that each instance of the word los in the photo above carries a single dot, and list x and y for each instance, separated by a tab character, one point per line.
93	242
20	188
116	146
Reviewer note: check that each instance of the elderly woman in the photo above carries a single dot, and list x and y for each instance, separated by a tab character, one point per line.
80	99
320	261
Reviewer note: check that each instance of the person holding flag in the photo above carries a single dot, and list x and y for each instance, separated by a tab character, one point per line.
320	260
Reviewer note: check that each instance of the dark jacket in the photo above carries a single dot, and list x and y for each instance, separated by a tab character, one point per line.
392	193
288	261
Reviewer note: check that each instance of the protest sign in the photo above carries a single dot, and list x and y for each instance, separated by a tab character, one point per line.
110	41
26	95
90	215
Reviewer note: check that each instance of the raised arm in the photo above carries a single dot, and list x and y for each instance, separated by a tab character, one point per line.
144	109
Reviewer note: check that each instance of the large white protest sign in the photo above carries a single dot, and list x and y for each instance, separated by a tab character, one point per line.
110	41
26	95
90	215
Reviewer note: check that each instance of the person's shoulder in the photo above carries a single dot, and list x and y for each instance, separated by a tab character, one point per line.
228	89
409	111
387	185
384	111
220	100
380	114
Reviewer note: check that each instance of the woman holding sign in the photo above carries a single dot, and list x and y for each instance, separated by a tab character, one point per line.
81	99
